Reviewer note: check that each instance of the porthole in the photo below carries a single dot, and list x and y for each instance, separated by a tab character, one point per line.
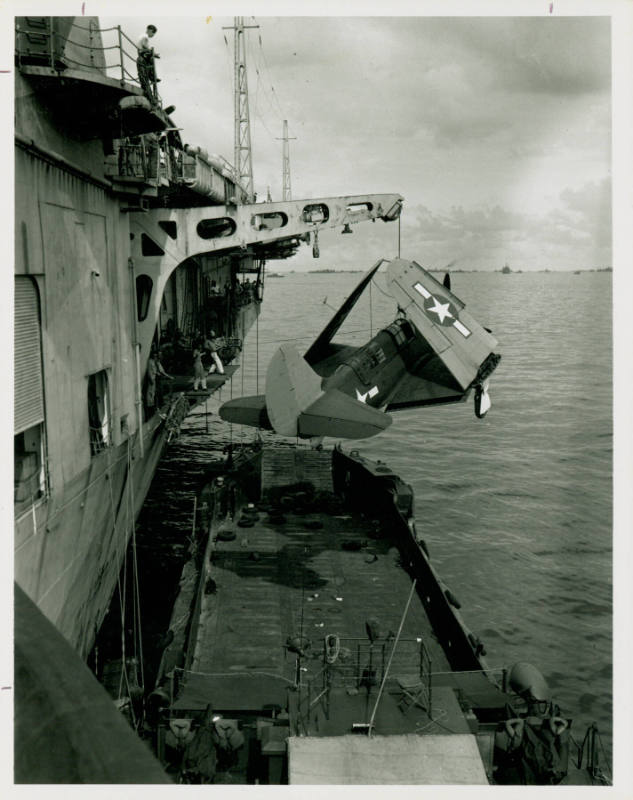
216	228
316	213
358	208
265	222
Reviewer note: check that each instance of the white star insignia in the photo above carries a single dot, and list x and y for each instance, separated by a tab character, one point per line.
363	397
441	309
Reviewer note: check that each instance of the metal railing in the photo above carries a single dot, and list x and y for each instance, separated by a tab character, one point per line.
355	664
140	160
155	160
37	42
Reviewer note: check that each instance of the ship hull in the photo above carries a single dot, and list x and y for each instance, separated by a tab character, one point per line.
69	552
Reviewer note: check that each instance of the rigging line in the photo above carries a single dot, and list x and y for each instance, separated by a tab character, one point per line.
265	93
256	91
135	582
76	497
230	423
377	285
258	112
137	597
230	674
121	591
260	65
229	60
261	119
393	650
310	336
229	64
468	671
122	604
261	47
243	364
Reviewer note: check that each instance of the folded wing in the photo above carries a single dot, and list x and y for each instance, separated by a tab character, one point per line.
322	346
459	345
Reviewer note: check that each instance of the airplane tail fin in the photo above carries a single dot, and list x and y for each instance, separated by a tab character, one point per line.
291	386
297	406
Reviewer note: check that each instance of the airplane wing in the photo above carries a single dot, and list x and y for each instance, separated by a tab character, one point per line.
415	391
464	348
321	347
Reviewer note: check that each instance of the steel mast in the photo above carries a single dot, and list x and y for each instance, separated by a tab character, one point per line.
286	192
243	151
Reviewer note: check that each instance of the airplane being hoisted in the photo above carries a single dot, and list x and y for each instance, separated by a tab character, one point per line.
433	352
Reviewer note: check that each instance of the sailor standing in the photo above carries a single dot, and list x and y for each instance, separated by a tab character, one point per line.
211	346
145	62
199	376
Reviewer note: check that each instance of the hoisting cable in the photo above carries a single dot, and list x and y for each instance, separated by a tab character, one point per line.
382	291
272	88
393	650
311	336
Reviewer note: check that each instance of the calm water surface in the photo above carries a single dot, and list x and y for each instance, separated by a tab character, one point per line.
515	508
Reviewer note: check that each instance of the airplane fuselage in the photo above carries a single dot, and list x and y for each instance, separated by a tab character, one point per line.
374	371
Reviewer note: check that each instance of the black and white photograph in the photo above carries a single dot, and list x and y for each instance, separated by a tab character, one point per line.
321	396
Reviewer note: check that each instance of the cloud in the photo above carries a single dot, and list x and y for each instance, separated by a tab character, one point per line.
577	234
490	127
586	216
542	55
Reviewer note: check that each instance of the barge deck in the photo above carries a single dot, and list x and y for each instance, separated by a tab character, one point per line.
309	637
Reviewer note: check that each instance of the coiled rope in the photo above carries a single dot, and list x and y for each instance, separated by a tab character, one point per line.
332	648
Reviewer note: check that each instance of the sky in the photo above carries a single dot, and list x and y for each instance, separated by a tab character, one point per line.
496	130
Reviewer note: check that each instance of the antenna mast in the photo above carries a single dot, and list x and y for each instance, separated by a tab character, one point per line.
243	151
286	192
